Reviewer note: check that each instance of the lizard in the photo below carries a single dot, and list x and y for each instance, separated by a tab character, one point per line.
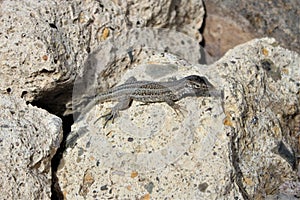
146	92
151	92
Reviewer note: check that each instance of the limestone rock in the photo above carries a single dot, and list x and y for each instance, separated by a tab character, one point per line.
186	16
261	102
149	150
239	145
29	137
45	44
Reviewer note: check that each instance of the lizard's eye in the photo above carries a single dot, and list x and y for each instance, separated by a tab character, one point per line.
197	86
194	85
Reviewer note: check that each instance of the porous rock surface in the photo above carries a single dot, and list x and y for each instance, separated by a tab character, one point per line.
261	87
43	44
149	151
241	144
29	137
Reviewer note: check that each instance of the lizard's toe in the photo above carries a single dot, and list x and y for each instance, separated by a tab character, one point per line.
179	109
108	117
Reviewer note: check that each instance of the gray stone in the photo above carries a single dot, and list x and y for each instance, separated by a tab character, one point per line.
45	44
226	142
242	144
29	137
43	48
260	103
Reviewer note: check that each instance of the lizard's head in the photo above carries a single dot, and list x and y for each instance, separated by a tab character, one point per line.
199	85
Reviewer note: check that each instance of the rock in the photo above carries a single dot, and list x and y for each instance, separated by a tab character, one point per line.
186	16
43	48
45	44
229	23
261	100
166	153
29	137
242	144
117	57
223	29
229	145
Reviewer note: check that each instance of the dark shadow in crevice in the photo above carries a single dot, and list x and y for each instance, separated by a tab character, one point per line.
55	188
201	29
54	102
234	146
203	59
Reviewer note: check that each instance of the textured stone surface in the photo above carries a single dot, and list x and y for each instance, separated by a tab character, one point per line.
150	151
247	151
29	137
223	30
44	44
195	155
184	16
261	86
229	23
117	56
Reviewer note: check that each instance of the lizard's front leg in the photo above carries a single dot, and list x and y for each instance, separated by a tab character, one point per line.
123	104
177	108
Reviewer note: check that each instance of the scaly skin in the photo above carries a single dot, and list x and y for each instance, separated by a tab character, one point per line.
148	92
152	92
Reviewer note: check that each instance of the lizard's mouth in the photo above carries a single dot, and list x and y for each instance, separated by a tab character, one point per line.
211	92
214	93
